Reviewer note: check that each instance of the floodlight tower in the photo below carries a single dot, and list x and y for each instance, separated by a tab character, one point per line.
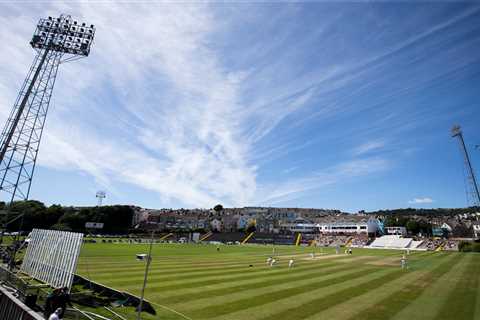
56	40
473	194
100	196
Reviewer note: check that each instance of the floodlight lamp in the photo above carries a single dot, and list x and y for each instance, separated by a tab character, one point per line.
53	36
141	256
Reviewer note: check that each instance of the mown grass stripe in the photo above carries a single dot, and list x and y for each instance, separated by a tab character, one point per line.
130	263
232	296
287	302
245	274
434	297
192	265
317	305
226	308
399	299
467	289
174	264
279	276
255	285
194	268
200	279
219	281
348	308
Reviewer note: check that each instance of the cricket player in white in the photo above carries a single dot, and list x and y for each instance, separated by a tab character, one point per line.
403	262
290	263
55	315
272	263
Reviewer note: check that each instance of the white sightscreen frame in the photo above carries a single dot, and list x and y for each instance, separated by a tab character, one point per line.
52	256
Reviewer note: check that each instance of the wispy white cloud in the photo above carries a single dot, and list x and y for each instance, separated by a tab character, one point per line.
421	200
156	105
340	173
290	169
184	141
368	147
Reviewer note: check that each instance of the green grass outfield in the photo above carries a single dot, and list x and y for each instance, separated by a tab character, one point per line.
201	283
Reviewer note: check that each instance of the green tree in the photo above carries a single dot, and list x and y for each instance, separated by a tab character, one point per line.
31	214
412	227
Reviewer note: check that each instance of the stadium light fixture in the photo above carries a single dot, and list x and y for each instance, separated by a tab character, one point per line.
63	35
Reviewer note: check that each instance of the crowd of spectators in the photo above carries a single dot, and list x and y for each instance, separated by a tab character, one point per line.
430	244
322	239
331	240
451	245
359	240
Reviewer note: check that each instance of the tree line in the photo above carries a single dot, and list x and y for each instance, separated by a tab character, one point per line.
117	219
413	226
425	212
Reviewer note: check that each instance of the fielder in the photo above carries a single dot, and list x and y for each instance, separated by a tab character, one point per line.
290	263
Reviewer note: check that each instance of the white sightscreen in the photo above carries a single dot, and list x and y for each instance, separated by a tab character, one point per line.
52	256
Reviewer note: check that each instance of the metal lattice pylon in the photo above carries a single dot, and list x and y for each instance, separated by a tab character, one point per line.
25	126
472	191
55	40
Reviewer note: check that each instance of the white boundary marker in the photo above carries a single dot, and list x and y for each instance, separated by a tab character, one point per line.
171	310
166	308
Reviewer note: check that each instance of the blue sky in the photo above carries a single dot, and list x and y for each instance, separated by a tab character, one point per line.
330	105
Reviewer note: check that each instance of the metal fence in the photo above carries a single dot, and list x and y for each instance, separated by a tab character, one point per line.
13	280
12	308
